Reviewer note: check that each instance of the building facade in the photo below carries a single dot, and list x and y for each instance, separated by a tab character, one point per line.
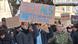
65	1
65	6
64	9
4	9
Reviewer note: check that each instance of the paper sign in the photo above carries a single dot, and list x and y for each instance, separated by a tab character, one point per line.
65	16
74	19
12	22
41	13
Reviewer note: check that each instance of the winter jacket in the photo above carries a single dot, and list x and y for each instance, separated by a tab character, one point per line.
44	35
25	37
61	38
5	40
75	37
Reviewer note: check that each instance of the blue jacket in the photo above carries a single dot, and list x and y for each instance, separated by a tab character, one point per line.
44	35
75	37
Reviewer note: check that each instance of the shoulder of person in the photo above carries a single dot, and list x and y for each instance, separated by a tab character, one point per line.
67	33
20	33
54	34
42	31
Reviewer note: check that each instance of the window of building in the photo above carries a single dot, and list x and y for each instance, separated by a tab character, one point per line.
74	1
68	8
58	1
68	1
60	9
57	9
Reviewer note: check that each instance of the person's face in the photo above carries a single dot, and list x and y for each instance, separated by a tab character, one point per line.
31	28
3	23
74	29
25	26
38	26
59	28
70	30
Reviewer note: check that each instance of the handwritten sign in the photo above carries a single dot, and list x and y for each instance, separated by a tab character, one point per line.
32	12
65	16
13	22
74	19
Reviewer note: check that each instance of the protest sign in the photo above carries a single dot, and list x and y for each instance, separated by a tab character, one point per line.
38	13
74	19
65	16
13	22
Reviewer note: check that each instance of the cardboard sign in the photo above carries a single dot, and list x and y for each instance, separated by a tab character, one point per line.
13	22
39	13
74	19
65	16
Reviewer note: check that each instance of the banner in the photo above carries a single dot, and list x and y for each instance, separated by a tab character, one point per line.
13	22
41	13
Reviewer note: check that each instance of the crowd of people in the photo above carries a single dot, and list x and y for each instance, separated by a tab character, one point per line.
29	33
